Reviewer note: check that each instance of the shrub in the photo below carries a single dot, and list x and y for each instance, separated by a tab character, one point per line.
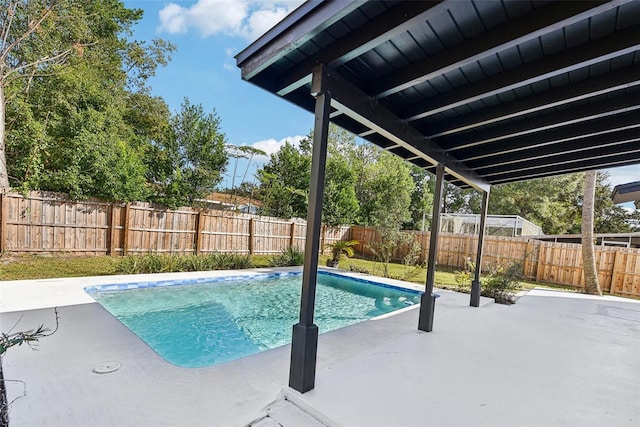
502	283
464	277
357	269
149	263
338	248
287	257
174	263
411	261
383	249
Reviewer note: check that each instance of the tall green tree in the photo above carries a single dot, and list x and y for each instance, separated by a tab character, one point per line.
73	85
339	205
421	199
608	217
284	182
551	203
188	162
388	187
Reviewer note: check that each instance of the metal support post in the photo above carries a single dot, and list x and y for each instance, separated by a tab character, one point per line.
428	300
475	284
304	344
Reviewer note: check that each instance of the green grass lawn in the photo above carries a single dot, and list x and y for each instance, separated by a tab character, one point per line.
445	277
46	267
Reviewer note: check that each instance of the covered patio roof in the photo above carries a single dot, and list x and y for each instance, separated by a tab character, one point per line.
497	91
629	192
479	92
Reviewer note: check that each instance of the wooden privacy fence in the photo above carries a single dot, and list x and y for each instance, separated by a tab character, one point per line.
51	222
548	262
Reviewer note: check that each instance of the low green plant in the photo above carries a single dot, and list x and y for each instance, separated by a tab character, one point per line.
11	339
390	239
464	277
411	260
287	257
151	263
503	282
358	269
338	248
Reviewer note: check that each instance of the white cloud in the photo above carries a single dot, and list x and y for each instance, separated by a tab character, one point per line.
271	146
248	19
172	19
624	174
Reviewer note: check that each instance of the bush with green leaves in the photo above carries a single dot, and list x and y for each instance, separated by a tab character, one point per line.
503	282
288	257
412	265
357	269
384	250
151	263
464	277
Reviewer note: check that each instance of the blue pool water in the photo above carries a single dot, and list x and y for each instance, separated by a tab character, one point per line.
202	324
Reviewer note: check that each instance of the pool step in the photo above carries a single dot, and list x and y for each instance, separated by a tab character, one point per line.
285	412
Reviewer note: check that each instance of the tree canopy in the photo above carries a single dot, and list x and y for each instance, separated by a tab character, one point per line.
77	115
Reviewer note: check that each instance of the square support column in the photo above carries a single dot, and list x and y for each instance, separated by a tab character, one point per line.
428	300
304	344
476	286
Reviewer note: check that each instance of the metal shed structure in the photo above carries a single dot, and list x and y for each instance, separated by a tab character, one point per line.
495	225
477	92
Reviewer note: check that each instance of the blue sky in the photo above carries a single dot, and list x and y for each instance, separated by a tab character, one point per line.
208	33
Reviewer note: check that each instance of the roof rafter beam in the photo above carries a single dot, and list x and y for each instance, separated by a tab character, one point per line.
559	136
578	145
607	83
569	116
356	104
578	166
584	55
614	163
376	31
294	30
539	22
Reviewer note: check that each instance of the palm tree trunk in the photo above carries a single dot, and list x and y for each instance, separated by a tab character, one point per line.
592	285
4	177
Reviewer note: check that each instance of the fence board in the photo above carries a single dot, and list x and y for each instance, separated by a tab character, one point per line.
626	272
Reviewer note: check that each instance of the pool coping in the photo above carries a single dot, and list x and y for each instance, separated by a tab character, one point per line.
24	295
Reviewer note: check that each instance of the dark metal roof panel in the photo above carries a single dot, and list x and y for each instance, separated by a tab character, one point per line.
489	82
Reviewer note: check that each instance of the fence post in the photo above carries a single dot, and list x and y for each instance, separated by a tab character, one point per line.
292	238
528	253
199	225
251	234
3	221
540	267
125	237
112	230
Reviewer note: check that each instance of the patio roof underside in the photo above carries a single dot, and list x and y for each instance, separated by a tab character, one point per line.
497	91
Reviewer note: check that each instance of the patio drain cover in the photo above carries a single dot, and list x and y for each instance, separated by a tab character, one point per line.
107	367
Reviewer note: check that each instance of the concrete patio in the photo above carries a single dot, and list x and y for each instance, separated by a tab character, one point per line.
553	358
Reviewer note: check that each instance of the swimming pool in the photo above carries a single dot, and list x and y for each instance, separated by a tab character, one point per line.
202	322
